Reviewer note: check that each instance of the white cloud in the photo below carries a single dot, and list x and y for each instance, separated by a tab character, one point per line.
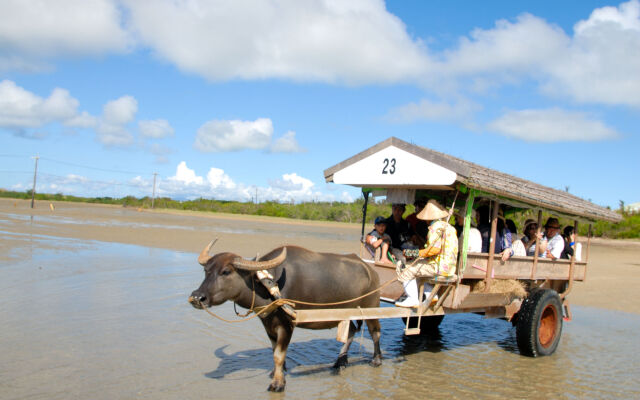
346	197
186	175
120	111
518	47
186	183
35	29
218	179
599	64
292	187
330	41
22	111
287	143
552	125
156	129
113	135
116	114
82	120
20	108
234	135
602	64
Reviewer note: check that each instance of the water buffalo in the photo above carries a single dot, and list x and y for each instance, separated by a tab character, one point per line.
302	275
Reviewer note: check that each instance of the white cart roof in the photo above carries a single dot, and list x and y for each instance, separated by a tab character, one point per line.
394	163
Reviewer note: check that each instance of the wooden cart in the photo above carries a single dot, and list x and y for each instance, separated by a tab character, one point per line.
394	167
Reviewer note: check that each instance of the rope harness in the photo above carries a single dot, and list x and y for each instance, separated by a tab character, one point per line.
258	311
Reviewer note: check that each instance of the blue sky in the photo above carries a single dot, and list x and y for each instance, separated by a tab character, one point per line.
223	99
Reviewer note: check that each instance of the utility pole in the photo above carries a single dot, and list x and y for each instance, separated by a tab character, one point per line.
153	196
256	195
35	173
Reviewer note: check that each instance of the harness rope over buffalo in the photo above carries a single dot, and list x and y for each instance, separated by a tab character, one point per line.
261	268
301	274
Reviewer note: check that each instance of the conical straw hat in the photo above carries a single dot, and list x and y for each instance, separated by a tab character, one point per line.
433	210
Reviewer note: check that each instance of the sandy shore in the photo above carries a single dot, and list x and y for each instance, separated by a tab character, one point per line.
612	277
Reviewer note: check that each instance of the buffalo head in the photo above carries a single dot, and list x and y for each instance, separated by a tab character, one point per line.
225	276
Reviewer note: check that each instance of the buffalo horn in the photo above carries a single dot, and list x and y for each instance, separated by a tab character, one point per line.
204	256
247	265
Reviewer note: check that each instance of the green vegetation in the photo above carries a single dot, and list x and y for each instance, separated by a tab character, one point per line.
320	211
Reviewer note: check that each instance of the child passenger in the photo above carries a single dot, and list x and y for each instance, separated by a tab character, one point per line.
380	241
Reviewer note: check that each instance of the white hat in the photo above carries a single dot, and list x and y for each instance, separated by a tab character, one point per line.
433	210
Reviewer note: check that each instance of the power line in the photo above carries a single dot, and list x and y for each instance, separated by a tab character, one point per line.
94	168
13	156
84	181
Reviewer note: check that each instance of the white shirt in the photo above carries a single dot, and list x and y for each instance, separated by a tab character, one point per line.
475	240
555	246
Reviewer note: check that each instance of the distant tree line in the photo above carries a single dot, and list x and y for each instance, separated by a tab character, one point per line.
629	227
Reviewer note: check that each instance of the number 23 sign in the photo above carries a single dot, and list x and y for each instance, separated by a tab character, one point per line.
389	166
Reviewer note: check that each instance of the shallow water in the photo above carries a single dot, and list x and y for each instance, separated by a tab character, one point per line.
222	226
83	319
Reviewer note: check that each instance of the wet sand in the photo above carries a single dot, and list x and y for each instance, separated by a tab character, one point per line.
613	273
93	305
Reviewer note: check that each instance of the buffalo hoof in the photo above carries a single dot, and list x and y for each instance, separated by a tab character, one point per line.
376	361
341	363
276	387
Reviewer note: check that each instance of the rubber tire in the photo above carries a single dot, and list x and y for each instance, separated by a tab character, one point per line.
539	323
427	324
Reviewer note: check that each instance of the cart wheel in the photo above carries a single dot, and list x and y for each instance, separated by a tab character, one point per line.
427	324
539	323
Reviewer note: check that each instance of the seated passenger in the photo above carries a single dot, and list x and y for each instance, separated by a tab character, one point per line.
398	228
555	243
529	238
475	238
484	226
378	241
570	245
419	228
508	234
439	256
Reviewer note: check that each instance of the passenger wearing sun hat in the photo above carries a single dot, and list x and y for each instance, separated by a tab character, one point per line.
555	242
439	256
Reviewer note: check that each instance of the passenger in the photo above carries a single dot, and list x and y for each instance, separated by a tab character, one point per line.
508	233
398	228
484	226
555	243
475	238
419	228
458	223
440	254
569	237
379	241
529	238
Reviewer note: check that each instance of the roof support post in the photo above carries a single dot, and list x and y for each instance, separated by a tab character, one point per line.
535	254
462	258
492	244
364	212
586	259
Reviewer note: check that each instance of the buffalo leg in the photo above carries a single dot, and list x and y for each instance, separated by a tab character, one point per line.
343	359
279	356
374	330
274	342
